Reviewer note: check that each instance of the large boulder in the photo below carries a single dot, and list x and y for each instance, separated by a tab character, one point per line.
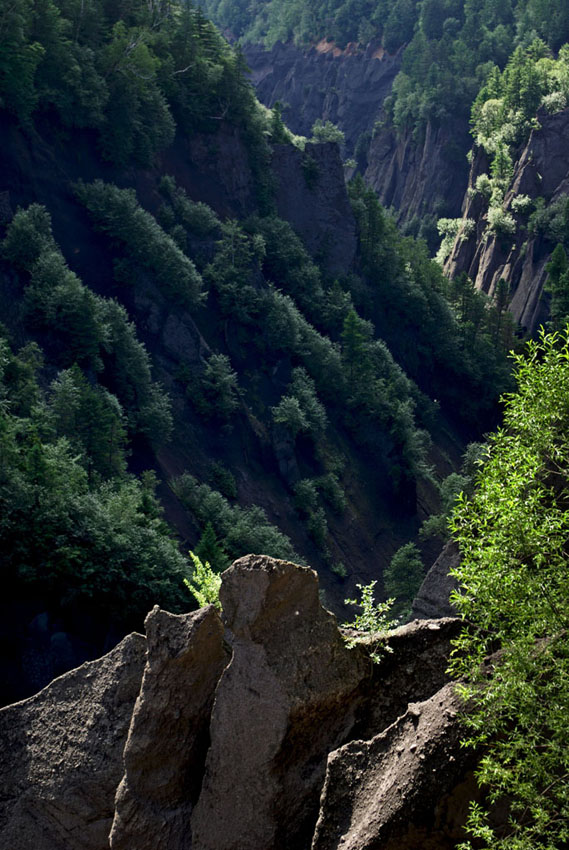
287	698
227	726
412	667
169	734
407	788
433	598
61	754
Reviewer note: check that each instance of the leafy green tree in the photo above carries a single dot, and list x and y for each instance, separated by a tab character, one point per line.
230	273
128	374
117	213
403	577
514	585
355	336
300	410
279	133
64	530
19	59
437	524
290	414
92	420
326	131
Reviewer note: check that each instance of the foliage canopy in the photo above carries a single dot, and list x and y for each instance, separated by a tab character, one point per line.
514	591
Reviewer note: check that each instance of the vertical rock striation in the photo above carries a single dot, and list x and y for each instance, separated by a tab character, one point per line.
286	699
169	732
541	170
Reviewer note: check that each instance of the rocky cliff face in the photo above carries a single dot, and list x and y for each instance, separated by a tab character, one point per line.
541	171
420	176
258	730
417	176
318	209
346	87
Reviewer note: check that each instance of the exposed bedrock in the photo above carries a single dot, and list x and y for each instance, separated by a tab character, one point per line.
216	733
433	598
416	173
346	87
406	789
316	204
169	732
420	176
286	699
61	754
541	170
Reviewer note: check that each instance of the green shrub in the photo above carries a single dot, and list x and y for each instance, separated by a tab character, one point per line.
514	586
332	492
522	204
374	621
339	569
204	583
326	131
219	387
306	496
403	577
501	222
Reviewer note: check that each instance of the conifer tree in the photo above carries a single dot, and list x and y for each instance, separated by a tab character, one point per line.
210	550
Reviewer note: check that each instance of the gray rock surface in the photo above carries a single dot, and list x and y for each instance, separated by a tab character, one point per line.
231	754
286	699
433	598
405	789
414	670
346	87
317	207
541	170
61	754
420	176
169	734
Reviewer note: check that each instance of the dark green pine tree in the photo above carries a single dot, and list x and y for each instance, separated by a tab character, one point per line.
354	341
558	285
211	550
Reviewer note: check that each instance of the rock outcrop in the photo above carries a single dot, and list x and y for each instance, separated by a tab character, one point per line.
317	204
169	732
416	176
61	754
541	170
433	598
244	733
405	789
286	699
420	176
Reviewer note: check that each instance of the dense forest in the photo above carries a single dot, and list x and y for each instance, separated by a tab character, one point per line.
181	369
366	351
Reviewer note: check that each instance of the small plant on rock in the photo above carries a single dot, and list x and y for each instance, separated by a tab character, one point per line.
204	584
373	621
